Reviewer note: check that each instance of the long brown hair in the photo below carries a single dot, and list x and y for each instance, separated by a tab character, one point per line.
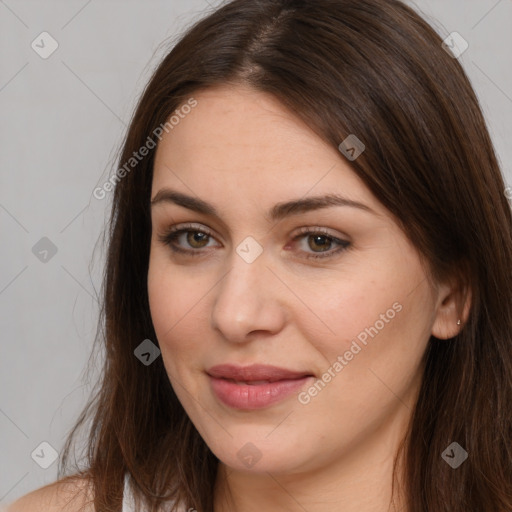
376	69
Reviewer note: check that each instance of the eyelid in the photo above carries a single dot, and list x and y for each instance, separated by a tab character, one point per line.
192	226
325	231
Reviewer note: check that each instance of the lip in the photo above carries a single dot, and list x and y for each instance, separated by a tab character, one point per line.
240	387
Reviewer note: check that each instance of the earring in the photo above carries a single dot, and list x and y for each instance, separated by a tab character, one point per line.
458	322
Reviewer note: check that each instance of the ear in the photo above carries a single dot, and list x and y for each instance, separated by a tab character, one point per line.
453	304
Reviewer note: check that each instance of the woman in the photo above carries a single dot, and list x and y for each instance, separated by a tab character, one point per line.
307	296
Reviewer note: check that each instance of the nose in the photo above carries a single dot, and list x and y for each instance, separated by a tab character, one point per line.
249	301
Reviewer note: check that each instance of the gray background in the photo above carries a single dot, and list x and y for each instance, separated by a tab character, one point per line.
63	119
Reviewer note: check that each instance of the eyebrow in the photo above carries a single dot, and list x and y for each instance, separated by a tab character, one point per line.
277	212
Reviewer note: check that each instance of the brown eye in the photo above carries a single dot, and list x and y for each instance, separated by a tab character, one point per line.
321	242
197	239
187	240
190	240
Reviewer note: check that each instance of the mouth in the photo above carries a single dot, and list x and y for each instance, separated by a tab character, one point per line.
256	386
252	382
255	373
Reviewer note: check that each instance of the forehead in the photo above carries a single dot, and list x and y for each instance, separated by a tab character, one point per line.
242	143
229	118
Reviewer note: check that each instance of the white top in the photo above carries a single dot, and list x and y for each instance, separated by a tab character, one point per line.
128	500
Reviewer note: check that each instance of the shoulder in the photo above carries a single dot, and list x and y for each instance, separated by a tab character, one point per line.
71	494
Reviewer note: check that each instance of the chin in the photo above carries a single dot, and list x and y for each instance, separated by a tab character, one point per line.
255	454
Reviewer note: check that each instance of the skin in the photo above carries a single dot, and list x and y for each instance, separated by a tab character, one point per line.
243	152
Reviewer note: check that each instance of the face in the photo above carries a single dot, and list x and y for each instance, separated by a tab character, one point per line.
249	266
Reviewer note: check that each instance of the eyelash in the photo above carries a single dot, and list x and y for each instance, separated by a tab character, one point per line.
170	235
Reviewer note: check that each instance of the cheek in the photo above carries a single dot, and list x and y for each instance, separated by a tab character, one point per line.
377	318
351	304
378	349
176	301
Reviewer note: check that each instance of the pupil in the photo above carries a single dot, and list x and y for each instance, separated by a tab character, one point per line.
195	239
321	237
